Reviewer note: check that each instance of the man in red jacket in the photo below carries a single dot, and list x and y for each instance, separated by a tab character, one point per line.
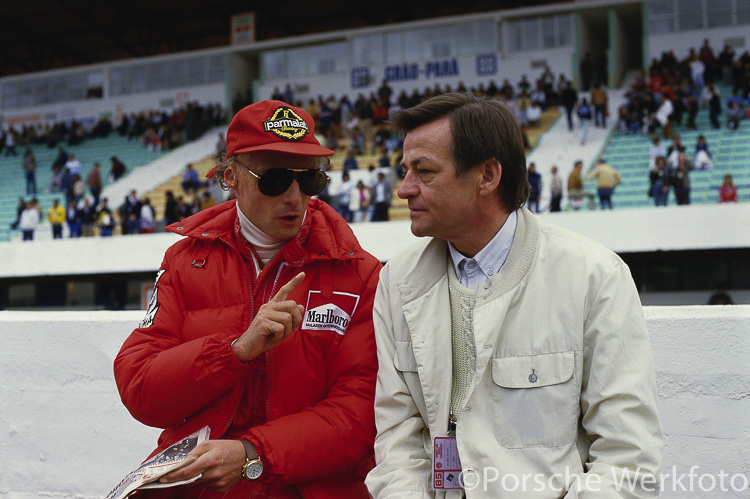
260	327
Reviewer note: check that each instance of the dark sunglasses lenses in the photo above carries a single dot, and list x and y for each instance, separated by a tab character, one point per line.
276	181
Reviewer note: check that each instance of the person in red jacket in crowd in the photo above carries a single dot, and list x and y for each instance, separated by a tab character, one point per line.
728	191
260	326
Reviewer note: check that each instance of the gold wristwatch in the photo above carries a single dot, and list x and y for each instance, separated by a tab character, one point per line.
253	468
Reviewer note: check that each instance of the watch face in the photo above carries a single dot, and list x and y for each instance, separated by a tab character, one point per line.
254	469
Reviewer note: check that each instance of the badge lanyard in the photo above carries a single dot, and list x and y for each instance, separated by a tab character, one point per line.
446	464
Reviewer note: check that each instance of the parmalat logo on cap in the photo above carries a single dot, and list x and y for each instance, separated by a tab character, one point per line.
286	124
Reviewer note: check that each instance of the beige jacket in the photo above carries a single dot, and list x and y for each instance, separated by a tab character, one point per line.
598	97
606	176
563	398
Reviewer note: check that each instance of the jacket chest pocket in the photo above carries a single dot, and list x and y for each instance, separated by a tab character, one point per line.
535	400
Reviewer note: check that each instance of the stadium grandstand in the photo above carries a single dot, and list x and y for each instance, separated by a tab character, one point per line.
158	106
158	113
101	81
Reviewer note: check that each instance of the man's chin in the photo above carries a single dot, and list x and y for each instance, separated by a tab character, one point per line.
285	233
419	230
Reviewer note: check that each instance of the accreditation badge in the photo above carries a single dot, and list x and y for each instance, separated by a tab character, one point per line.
446	465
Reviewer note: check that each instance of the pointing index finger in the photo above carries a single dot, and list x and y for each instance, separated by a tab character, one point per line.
287	288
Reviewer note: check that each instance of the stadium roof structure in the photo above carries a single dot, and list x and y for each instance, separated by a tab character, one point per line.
39	35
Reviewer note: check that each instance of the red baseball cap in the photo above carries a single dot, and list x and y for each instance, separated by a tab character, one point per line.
272	125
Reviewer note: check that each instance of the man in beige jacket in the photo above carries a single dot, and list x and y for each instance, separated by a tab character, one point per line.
607	178
599	101
514	360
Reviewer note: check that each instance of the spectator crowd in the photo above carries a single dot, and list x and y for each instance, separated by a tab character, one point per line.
154	130
671	95
675	90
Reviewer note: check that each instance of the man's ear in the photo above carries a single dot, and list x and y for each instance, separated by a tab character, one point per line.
230	176
492	171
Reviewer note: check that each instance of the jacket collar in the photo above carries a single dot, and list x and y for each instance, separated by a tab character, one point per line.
429	268
324	235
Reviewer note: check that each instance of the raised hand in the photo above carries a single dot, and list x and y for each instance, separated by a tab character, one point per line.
274	321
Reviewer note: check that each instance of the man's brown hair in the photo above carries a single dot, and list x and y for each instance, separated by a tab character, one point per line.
481	129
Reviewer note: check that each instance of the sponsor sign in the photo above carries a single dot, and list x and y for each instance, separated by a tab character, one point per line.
486	64
334	313
243	28
360	77
430	69
286	124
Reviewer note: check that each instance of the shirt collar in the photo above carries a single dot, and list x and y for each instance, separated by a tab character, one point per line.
491	258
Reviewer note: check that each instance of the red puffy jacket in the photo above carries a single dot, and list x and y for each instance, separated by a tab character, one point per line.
177	370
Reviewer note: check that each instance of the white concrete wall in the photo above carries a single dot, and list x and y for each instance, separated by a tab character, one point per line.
702	362
675	228
64	432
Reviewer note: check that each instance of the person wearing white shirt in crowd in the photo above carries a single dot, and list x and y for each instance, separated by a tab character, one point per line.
697	70
705	96
657	149
533	113
663	117
675	150
147	217
344	196
73	165
29	220
537	97
703	159
10	142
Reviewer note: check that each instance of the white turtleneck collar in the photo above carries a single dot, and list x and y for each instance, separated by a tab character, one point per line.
263	244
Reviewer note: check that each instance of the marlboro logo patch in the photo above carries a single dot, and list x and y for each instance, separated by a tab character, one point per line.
332	313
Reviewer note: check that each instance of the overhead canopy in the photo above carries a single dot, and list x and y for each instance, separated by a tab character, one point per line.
50	34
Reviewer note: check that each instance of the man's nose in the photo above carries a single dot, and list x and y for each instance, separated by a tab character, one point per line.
408	188
293	194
